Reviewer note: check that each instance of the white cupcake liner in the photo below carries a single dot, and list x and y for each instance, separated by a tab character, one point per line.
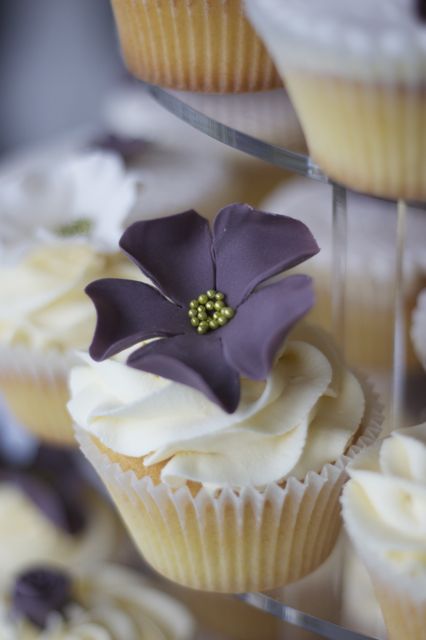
229	542
402	598
418	328
35	387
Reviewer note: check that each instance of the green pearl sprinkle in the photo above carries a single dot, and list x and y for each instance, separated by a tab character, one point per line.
210	305
209	311
228	312
203	327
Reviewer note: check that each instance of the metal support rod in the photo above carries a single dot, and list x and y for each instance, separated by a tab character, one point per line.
339	263
398	365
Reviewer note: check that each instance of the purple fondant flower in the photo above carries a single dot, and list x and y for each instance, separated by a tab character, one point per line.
189	263
39	592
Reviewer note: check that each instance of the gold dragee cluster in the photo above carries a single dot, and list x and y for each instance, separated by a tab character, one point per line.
209	311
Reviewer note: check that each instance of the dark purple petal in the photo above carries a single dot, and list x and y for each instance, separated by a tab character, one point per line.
174	252
253	337
251	246
194	360
38	592
129	312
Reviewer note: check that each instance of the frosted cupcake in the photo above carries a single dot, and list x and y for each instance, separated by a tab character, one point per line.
112	602
59	228
222	436
356	75
193	45
370	267
47	514
384	507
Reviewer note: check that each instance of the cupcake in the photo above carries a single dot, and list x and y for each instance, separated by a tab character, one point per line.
180	168
418	328
112	602
59	228
47	514
384	506
223	444
369	309
193	45
356	75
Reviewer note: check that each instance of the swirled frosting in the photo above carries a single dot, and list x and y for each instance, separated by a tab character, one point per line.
114	604
303	416
350	38
384	503
42	299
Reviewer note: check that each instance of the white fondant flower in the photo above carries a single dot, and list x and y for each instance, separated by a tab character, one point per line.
87	197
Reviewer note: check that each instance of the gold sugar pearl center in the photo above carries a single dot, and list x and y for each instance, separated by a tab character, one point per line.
209	311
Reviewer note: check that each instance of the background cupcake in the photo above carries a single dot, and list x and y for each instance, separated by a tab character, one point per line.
49	514
207	461
383	508
112	602
355	73
418	328
58	227
197	46
370	293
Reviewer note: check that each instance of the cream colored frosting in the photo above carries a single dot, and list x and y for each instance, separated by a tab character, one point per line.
113	604
27	536
363	39
384	503
303	416
42	299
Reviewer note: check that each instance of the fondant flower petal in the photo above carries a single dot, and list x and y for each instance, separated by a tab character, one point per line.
174	252
129	312
254	336
251	246
196	361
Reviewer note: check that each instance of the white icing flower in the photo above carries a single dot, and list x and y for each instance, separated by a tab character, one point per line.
84	198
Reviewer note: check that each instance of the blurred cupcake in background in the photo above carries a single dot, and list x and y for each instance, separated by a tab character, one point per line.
112	602
371	254
59	228
195	45
49	514
180	168
356	74
384	506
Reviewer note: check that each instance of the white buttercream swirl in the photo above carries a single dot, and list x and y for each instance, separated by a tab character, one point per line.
42	299
384	503
111	604
364	39
303	416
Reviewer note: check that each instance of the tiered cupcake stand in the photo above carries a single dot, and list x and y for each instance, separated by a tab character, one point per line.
180	105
